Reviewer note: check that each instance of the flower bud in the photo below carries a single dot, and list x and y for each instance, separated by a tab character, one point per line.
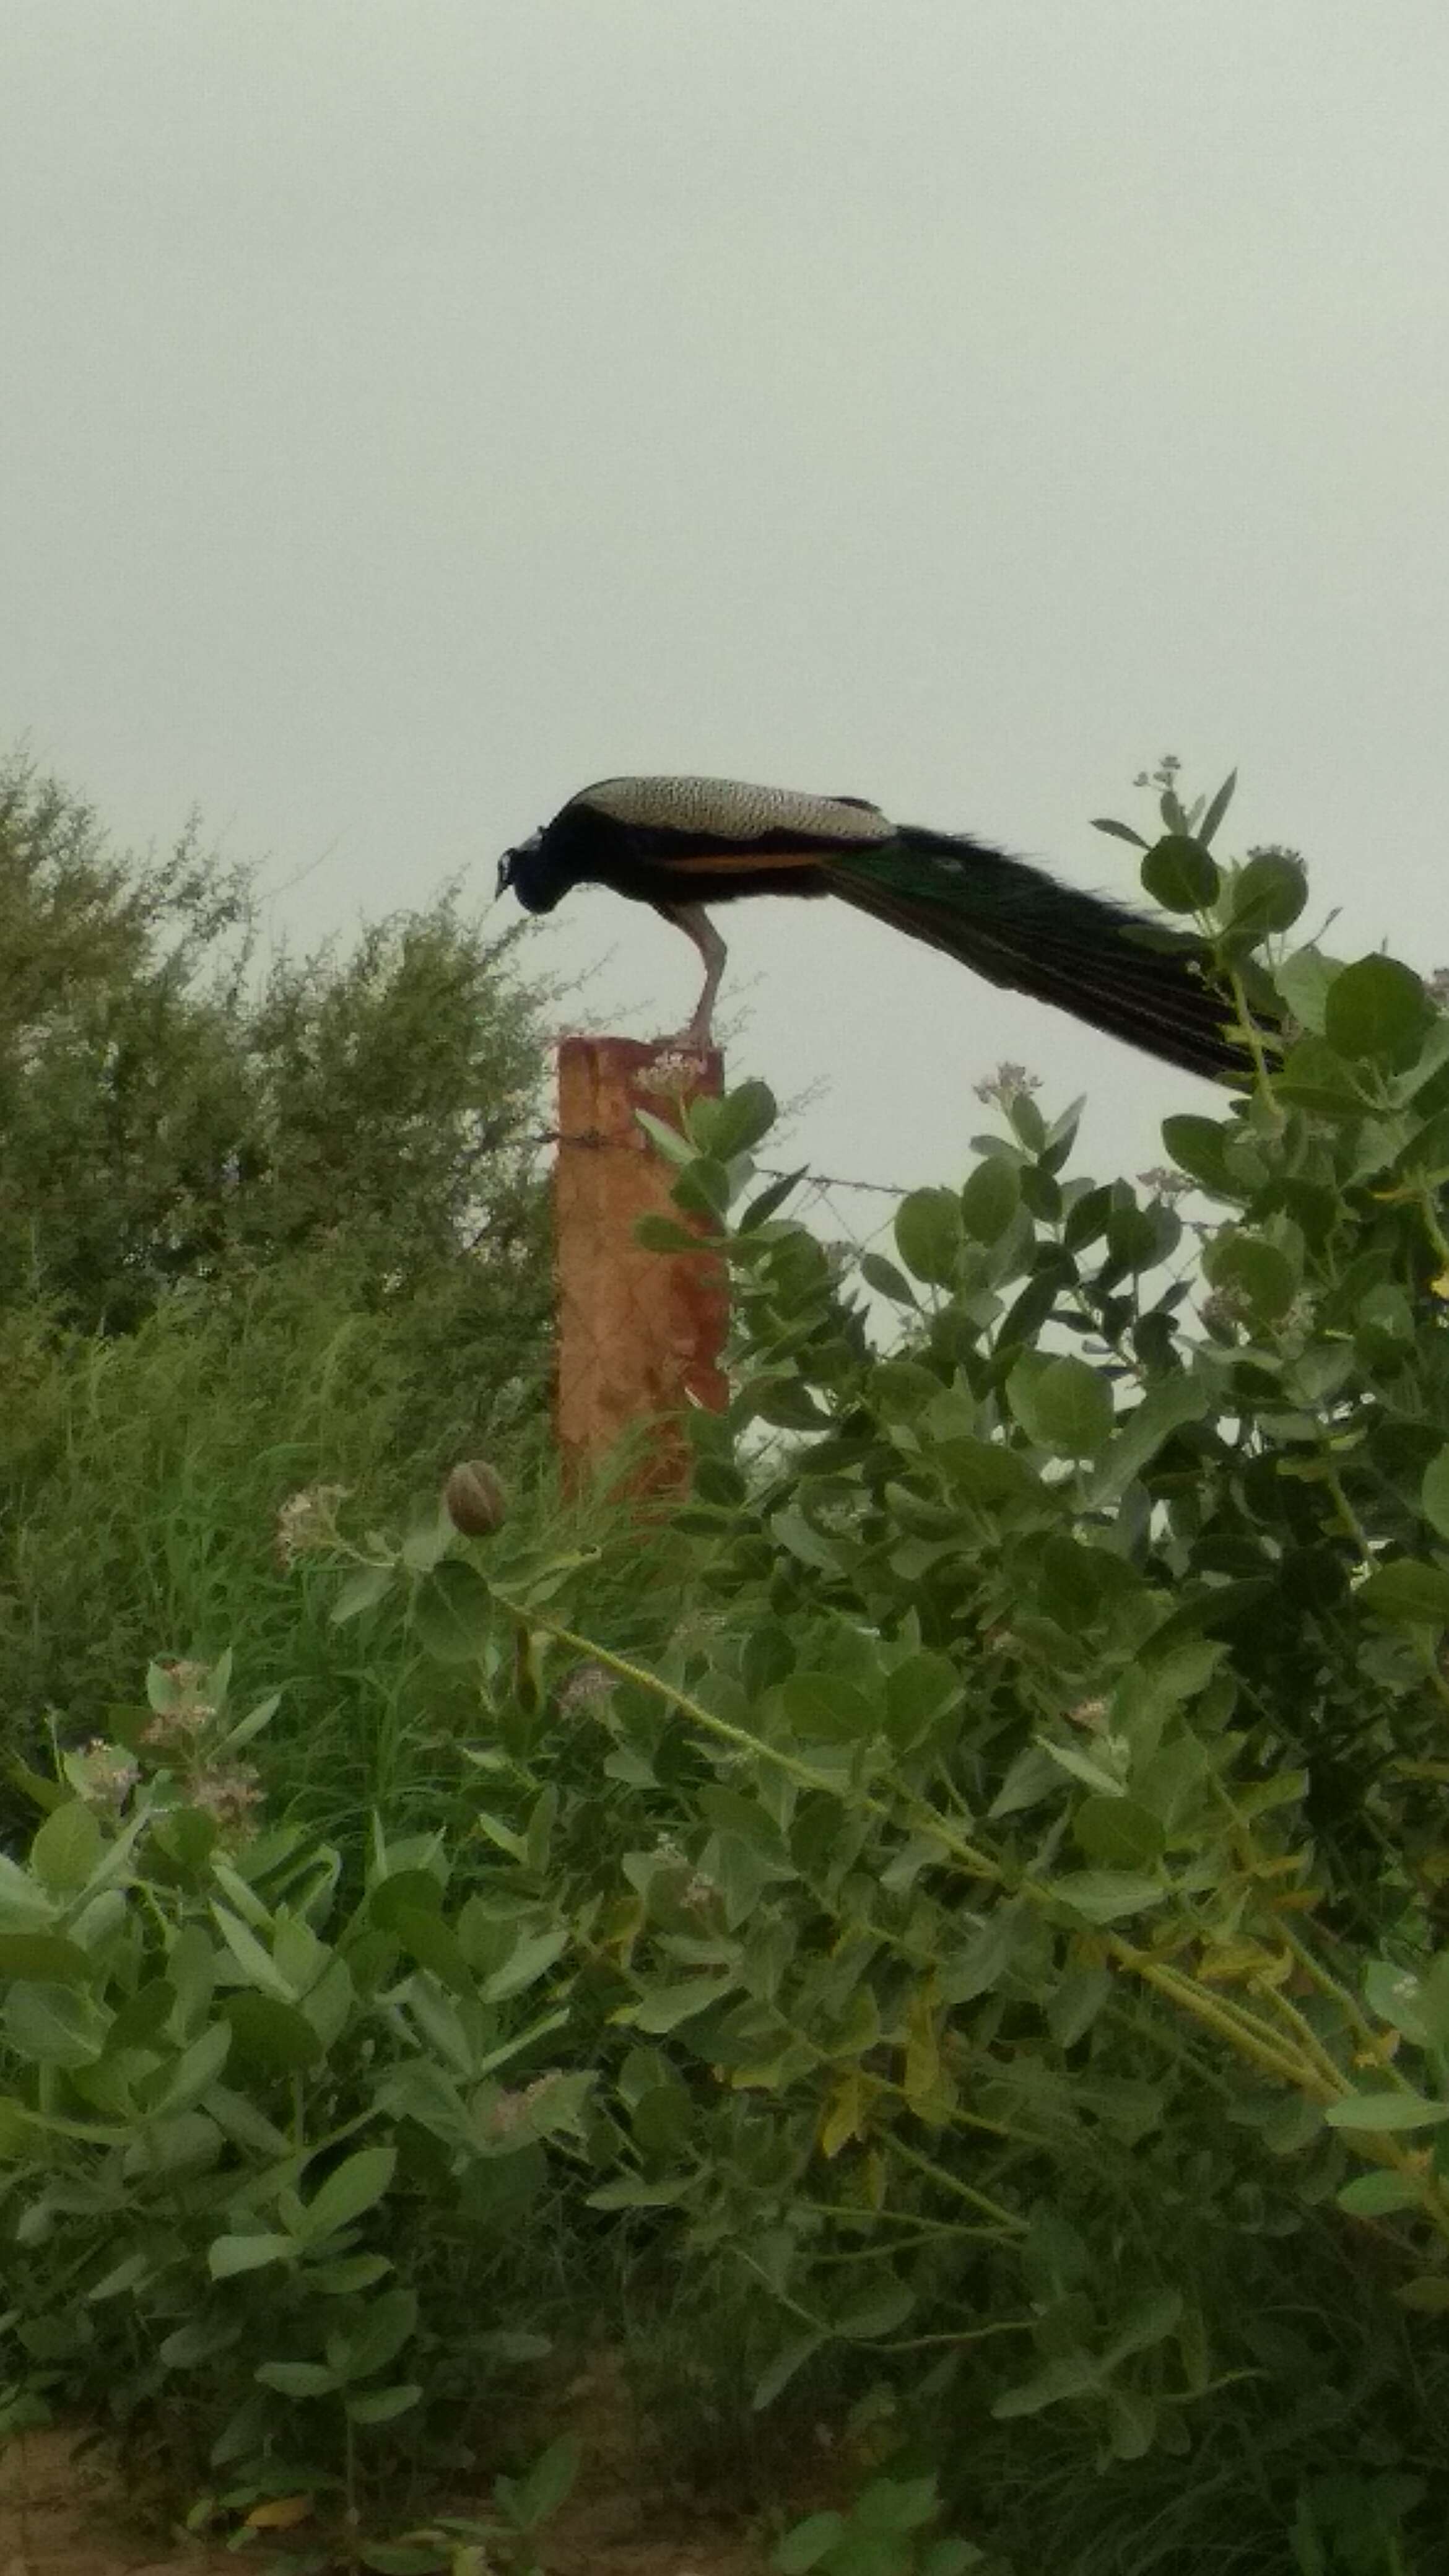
473	1499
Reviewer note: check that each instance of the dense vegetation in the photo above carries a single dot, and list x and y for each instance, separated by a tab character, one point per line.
940	1934
260	1222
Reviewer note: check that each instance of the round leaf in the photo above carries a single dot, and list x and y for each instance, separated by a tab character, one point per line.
990	1199
1409	1594
1435	1493
453	1612
1180	875
1061	1404
1269	893
733	1125
928	1234
67	1848
1377	1008
1257	1272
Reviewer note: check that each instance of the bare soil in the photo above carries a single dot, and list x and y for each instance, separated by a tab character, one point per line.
63	2515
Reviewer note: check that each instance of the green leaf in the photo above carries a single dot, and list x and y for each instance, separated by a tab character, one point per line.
764	1205
656	1233
381	2405
1409	1593
530	1959
1106	1895
777	2374
350	2273
675	1148
802	1539
429	1942
125	2276
1061	1404
1118	1834
227	2255
256	1963
353	2188
919	1691
1377	2111
66	1848
389	2322
929	1235
1179	874
201	2340
362	1591
453	1613
1217	808
45	1958
535	2497
193	2073
1269	893
890	2505
887	1281
737	1123
1075	2004
807	2542
669	2006
1429	2294
1070	2374
1258	1273
990	1199
1378	1009
1118	831
427	1541
1304	981
1199	1147
271	2035
1377	2195
1434	1493
54	2025
829	1708
1168	1404
297	2378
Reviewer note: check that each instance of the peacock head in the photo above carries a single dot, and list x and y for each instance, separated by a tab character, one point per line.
519	868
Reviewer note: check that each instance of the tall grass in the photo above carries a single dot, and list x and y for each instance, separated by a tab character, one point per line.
140	1482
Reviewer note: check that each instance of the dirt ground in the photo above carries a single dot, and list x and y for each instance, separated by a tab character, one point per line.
60	2516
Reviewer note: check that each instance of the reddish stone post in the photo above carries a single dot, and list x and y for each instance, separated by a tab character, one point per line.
639	1333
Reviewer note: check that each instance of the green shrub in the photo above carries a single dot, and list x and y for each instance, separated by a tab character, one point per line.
1030	1972
258	2141
980	1859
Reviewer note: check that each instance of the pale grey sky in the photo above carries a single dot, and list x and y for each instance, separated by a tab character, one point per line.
417	409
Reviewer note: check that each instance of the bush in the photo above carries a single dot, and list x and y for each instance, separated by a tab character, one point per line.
279	2268
169	1116
978	1863
1031	1940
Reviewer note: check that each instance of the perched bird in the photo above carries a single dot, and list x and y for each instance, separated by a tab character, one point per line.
681	843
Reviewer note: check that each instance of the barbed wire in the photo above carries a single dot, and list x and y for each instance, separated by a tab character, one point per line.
591	1138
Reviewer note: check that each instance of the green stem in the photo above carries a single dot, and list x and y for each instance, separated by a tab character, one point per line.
1250	1030
935	2173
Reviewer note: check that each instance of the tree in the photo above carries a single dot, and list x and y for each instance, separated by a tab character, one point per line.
169	1115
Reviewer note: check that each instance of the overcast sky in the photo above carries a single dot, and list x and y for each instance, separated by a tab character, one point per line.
417	410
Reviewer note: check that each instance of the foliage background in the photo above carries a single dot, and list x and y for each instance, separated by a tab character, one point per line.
942	1933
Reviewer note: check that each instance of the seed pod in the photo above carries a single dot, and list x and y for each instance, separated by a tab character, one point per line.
473	1499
